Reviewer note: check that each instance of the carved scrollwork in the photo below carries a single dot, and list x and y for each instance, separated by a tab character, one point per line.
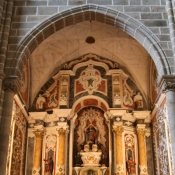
162	143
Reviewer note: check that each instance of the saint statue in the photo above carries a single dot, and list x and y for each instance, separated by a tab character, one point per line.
40	102
138	100
91	135
131	166
48	166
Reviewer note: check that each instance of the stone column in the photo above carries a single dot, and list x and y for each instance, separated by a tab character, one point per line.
9	89
2	76
37	152
61	151
170	104
142	149
119	166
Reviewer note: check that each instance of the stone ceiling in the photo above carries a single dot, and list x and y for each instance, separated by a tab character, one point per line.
70	43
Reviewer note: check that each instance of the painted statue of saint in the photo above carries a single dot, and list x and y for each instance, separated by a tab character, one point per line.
91	135
40	102
138	100
48	166
131	166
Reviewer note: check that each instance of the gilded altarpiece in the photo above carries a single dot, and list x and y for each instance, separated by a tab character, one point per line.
162	143
17	141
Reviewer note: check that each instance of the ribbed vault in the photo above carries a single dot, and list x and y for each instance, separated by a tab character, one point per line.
81	14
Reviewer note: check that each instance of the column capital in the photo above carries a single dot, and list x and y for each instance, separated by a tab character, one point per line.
38	133
118	129
62	131
167	82
11	84
169	86
141	129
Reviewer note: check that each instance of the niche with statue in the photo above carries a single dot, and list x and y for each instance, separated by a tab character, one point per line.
91	139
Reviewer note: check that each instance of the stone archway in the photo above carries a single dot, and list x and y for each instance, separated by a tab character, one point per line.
84	13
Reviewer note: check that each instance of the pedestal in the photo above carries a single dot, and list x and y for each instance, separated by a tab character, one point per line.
91	158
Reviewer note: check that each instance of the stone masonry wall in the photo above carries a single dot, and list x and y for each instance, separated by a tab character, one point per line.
29	13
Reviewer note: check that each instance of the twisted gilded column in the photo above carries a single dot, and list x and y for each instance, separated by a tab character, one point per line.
61	151
37	152
119	166
142	149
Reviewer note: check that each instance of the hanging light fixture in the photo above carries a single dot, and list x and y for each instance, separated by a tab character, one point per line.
90	39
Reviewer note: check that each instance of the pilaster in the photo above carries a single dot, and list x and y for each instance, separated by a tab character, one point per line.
37	152
142	149
119	166
60	170
167	86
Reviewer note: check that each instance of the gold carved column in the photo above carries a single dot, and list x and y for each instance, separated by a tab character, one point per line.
61	151
142	149
37	152
119	166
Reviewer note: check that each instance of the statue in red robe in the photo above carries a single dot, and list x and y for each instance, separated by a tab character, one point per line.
48	166
131	166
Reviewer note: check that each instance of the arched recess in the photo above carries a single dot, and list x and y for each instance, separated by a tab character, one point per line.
84	13
95	109
90	100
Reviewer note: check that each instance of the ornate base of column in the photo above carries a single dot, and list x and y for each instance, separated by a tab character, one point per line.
60	170
36	171
143	170
119	170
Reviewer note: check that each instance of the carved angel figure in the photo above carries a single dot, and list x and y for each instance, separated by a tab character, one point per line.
40	102
138	100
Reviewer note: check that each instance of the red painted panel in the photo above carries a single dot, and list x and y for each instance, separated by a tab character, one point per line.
103	106
102	86
78	107
79	87
88	102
